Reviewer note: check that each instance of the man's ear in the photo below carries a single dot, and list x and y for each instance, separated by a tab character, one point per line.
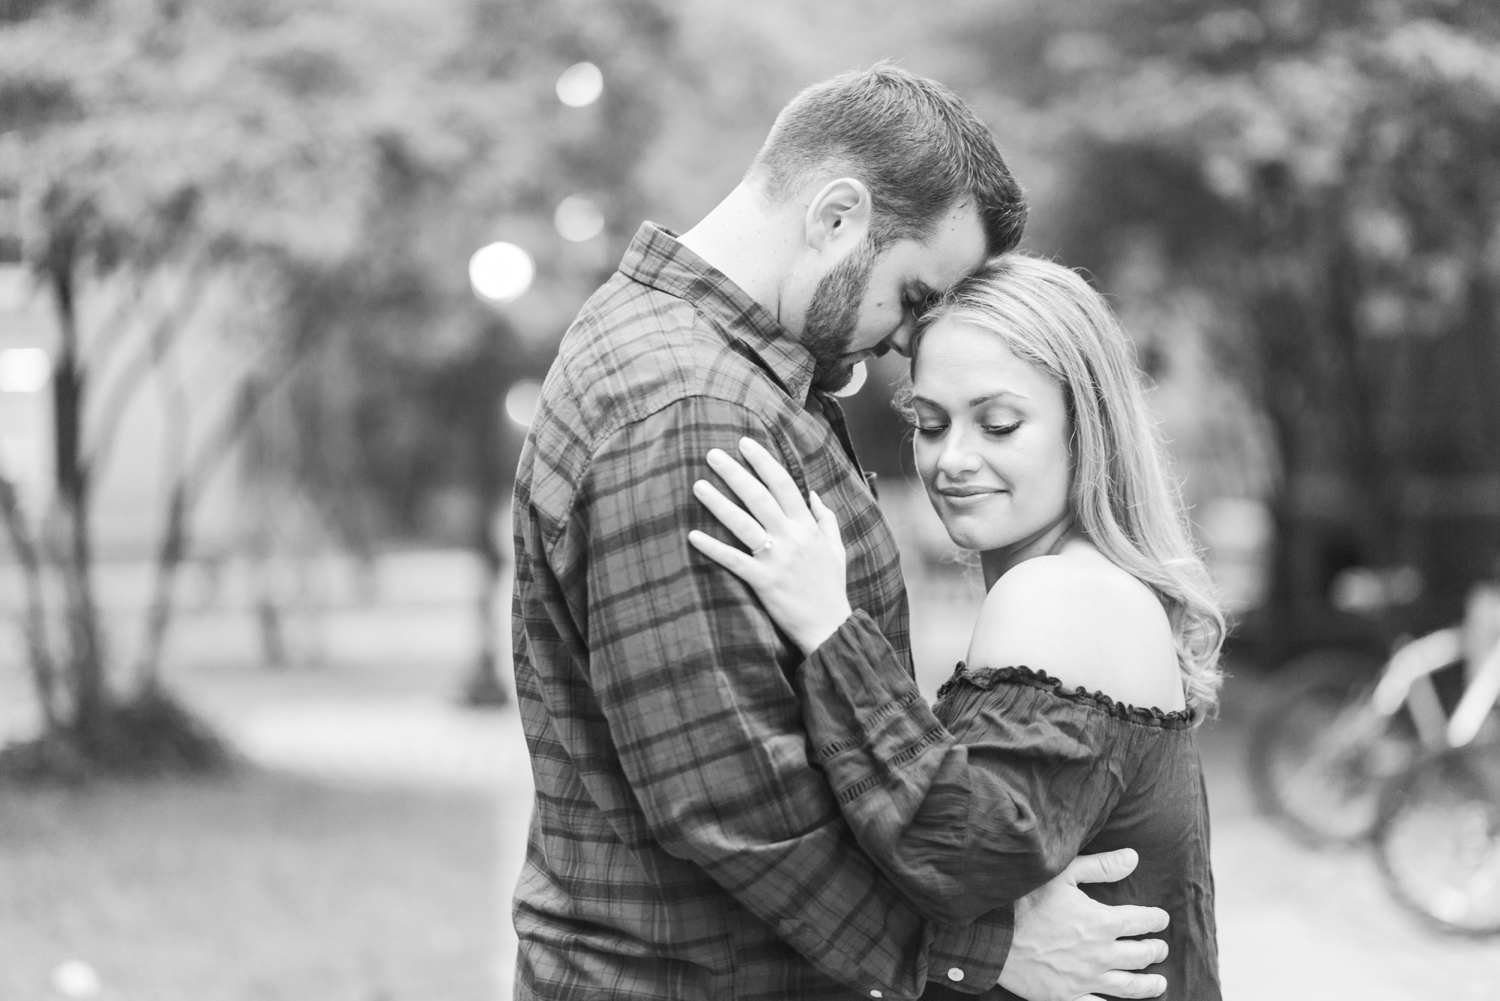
838	217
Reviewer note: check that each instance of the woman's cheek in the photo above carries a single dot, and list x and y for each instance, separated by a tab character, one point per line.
925	459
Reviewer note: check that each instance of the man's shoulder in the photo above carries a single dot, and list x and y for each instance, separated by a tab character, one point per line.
634	351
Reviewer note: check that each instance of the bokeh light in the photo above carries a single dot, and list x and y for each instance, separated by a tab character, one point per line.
521	401
856	381
580	85
501	272
578	219
73	978
24	370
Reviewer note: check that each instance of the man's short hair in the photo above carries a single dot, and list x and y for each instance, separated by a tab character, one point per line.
914	143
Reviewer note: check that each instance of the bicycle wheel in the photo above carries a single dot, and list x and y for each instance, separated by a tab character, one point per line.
1438	840
1319	755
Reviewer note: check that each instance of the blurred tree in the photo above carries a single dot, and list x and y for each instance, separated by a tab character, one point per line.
185	171
1326	177
400	419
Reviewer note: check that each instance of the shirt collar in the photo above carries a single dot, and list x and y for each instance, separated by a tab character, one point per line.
658	259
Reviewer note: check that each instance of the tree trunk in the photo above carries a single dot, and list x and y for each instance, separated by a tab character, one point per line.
485	687
38	649
85	674
193	480
159	616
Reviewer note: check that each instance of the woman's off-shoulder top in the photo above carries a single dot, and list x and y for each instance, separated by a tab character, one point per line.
1016	775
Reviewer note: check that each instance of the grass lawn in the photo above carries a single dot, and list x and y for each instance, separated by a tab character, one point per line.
260	887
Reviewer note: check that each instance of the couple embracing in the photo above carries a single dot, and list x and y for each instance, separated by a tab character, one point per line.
740	793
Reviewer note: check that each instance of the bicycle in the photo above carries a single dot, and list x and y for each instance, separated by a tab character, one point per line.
1437	833
1340	759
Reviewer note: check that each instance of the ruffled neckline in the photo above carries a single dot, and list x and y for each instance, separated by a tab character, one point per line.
989	677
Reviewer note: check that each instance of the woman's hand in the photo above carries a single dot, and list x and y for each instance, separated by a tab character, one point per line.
796	558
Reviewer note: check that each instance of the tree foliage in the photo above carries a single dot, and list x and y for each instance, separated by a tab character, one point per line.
305	181
1327	177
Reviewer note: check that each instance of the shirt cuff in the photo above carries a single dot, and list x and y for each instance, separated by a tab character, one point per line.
863	710
969	958
859	667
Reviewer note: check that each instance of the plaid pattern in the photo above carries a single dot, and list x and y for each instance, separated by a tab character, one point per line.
682	844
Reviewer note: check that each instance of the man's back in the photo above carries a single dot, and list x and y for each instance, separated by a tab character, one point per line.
682	846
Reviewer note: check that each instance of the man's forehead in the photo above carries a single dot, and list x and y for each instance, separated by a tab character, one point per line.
956	249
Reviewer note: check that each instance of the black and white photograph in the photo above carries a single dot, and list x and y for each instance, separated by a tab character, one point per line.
713	500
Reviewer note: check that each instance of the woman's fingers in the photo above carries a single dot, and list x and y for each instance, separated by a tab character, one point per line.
828	522
776	479
745	528
751	491
731	559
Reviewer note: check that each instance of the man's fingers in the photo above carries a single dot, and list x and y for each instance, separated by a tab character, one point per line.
725	555
1133	985
751	491
776	478
1105	867
1135	920
1137	953
745	528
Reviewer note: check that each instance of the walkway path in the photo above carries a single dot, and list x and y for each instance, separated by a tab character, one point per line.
1294	925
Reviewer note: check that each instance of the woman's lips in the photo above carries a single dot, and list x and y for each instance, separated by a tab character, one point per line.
969	496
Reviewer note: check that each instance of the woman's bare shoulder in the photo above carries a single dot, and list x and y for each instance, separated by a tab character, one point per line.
1082	619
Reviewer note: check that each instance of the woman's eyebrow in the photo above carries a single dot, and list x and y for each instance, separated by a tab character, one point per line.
976	401
987	397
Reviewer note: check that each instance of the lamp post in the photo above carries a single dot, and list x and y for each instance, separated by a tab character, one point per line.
498	273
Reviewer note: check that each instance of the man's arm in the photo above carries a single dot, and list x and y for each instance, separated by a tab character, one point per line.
692	677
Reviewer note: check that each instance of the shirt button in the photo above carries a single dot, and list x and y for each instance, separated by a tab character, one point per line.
955	974
876	994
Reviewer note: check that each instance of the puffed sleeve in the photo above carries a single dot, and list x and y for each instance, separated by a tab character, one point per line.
966	812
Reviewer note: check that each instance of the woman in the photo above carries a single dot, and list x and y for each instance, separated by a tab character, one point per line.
1095	652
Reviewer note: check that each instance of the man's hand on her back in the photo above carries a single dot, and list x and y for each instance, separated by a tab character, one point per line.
1068	945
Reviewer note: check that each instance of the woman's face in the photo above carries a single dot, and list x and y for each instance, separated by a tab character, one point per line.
991	440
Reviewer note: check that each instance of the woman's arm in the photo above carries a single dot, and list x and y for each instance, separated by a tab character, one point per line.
961	825
977	818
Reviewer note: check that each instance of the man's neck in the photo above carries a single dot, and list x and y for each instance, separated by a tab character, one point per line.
754	245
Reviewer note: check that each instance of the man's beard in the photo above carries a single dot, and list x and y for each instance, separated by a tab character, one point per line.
833	316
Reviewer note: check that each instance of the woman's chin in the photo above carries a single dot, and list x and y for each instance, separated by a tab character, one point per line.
979	536
966	535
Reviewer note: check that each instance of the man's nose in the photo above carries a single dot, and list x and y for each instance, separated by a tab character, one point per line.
900	338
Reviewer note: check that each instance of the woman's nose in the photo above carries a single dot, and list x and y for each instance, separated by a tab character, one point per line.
958	456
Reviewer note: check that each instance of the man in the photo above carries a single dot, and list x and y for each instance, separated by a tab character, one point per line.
683	846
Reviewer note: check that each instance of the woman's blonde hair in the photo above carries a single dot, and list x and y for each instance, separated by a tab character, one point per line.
1123	498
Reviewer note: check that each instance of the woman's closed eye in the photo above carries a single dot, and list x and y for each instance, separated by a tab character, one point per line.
1001	430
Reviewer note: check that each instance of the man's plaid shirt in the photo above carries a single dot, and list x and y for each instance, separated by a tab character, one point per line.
683	846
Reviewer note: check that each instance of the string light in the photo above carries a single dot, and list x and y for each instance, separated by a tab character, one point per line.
580	85
501	272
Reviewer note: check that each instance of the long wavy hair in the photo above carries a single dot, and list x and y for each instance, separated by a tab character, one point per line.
1123	498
